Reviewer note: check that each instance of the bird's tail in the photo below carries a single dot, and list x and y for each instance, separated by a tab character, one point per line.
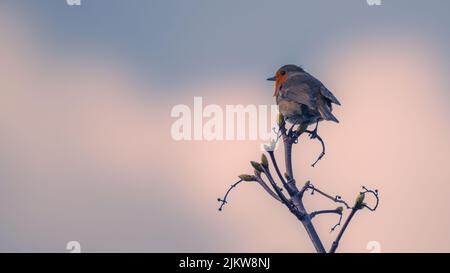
325	112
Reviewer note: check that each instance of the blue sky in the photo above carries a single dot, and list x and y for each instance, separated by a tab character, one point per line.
179	41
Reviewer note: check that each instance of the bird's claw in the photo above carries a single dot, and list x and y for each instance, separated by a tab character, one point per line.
313	134
295	135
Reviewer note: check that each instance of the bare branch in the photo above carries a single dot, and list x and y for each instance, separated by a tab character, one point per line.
375	194
277	189
323	147
288	155
257	179
275	165
335	244
267	189
336	199
295	203
337	211
288	186
338	223
297	197
327	211
359	205
224	199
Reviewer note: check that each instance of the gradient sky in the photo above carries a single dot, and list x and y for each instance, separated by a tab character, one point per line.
85	100
176	41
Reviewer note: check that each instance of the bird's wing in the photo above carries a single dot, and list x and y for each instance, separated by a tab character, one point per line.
301	89
327	94
323	90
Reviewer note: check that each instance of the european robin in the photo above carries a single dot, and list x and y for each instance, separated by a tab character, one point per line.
301	98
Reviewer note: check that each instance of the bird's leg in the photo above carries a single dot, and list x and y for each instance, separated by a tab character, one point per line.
313	133
291	129
295	134
292	135
300	130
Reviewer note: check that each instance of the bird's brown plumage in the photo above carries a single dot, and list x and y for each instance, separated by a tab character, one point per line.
302	98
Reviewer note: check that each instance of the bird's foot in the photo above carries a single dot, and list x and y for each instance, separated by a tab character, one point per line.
295	134
313	134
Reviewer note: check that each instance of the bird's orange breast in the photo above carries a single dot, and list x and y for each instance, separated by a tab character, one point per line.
280	80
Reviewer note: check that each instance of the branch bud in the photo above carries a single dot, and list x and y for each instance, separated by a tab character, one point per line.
264	161
257	166
359	200
247	177
340	209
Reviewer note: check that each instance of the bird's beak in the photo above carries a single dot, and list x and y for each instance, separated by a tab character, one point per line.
272	79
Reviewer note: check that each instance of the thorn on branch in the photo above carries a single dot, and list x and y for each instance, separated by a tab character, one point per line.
224	199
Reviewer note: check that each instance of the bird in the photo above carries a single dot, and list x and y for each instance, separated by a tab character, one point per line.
301	98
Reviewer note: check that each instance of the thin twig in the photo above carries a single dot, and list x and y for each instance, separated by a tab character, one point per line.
224	199
336	199
335	244
267	189
337	211
327	211
323	147
287	186
358	206
277	189
337	224
375	194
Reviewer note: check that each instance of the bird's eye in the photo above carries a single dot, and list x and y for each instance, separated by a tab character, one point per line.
282	73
